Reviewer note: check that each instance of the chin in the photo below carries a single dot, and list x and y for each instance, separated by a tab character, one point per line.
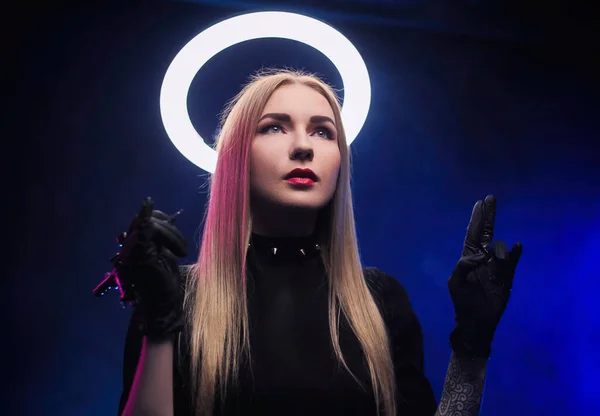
304	202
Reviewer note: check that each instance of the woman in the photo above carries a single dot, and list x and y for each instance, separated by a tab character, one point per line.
277	316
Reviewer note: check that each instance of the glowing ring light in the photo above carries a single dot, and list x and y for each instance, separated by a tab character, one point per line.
187	63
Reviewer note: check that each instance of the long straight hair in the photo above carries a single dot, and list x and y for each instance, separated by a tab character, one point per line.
216	303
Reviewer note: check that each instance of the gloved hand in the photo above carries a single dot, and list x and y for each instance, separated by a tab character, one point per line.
148	274
481	283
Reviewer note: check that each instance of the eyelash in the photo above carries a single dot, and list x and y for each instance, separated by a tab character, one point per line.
327	131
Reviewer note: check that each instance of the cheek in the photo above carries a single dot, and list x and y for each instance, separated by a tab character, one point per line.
262	165
336	161
334	165
255	166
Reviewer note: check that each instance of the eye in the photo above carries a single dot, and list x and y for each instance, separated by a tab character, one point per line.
324	132
271	129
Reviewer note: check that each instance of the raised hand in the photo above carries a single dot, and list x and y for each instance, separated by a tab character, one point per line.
148	273
481	283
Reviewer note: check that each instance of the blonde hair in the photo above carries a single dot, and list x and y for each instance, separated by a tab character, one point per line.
216	303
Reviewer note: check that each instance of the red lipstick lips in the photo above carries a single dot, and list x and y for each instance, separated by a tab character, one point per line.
301	177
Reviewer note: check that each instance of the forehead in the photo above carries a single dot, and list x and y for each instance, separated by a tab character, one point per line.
298	100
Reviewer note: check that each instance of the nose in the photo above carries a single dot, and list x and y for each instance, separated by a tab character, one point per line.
302	148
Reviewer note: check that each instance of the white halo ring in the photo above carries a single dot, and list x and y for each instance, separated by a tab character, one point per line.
186	64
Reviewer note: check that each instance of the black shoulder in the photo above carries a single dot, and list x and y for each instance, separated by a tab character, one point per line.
388	292
381	282
406	339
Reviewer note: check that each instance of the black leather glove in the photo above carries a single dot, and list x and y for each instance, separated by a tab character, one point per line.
481	283
148	273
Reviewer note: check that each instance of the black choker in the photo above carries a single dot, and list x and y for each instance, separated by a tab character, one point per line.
285	246
302	251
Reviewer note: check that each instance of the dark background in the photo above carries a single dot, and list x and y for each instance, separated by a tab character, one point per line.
469	98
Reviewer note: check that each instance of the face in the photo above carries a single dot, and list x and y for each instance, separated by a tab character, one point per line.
294	157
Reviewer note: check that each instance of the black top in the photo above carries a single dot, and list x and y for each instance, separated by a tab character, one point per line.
294	368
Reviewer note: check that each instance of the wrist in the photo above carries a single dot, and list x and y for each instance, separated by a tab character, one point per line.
472	368
471	344
161	326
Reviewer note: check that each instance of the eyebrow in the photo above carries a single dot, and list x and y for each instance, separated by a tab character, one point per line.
287	119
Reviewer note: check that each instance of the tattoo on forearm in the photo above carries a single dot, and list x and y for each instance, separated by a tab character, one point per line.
463	390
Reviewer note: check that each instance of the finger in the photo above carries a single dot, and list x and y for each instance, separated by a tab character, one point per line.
474	229
173	217
512	258
466	265
164	217
159	215
500	266
500	250
166	253
167	235
514	255
146	209
489	218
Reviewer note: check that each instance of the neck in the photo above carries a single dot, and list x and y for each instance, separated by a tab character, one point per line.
283	222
